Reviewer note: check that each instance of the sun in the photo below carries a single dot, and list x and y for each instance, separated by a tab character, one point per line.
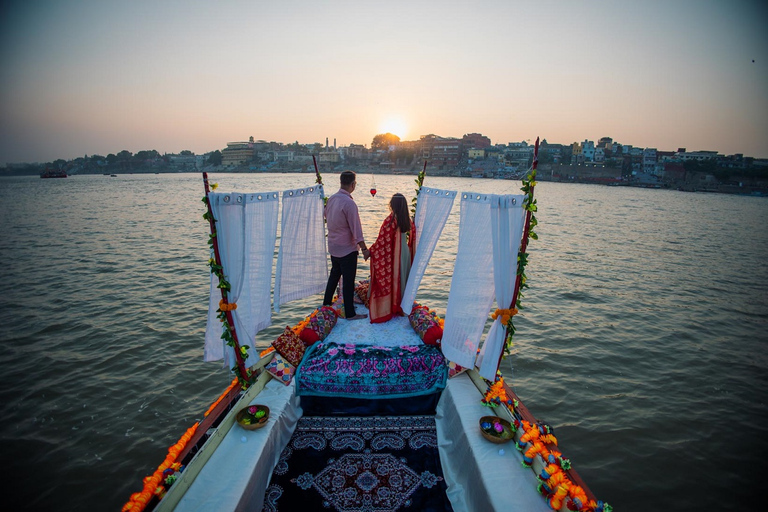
395	126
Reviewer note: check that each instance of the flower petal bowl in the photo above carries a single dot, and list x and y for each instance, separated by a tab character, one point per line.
247	420
496	434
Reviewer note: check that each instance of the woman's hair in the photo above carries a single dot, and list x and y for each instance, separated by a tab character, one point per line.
400	209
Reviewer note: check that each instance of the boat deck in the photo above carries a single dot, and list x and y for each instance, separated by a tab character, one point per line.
479	475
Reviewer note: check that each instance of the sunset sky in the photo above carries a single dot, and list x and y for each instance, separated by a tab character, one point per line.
85	77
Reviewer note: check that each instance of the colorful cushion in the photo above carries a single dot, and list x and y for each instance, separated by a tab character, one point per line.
426	325
338	307
320	324
290	346
361	292
281	369
455	369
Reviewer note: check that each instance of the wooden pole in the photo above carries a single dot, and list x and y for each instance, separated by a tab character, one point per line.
217	257
317	171
523	247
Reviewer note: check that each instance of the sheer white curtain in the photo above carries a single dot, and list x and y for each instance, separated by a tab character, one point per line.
507	222
432	210
246	231
471	294
302	263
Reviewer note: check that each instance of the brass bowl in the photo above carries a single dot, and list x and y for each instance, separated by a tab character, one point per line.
242	415
493	434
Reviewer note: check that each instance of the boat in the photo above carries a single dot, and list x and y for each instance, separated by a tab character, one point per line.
361	416
53	173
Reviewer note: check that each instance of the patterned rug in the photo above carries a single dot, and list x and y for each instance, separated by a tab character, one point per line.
360	464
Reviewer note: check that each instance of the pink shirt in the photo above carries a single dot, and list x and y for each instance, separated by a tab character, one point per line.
343	221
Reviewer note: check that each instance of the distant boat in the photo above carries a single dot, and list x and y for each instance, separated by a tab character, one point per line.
113	175
52	173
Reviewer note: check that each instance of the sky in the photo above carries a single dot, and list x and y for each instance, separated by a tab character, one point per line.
84	77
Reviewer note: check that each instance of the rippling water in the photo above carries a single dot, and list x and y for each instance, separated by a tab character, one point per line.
643	341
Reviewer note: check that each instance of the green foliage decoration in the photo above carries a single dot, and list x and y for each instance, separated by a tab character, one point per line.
530	206
226	335
419	183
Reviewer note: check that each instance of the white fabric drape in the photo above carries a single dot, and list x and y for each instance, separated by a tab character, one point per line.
246	231
471	294
432	210
507	222
302	263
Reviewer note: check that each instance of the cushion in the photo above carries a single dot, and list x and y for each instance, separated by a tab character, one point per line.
290	346
281	369
426	325
320	324
455	369
338	307
361	292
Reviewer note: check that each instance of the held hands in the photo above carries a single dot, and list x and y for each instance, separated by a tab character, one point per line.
366	254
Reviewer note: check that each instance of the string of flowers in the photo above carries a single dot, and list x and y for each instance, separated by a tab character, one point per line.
226	391
538	440
496	394
153	485
224	306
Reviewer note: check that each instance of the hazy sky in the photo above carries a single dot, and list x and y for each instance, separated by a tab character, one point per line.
85	77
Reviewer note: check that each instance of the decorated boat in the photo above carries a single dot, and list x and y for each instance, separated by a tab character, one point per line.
409	414
53	173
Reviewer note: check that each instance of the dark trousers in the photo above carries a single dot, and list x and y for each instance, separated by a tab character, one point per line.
345	266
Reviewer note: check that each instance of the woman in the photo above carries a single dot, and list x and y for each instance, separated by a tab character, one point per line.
391	258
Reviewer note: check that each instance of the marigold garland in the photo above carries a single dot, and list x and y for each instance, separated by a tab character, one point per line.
505	314
226	391
140	500
223	306
496	395
266	351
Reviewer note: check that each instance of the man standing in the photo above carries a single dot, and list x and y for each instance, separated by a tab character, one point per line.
345	235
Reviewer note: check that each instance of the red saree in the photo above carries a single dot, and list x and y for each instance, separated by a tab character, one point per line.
385	290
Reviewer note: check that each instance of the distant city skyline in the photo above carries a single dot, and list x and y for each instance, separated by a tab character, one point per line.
89	77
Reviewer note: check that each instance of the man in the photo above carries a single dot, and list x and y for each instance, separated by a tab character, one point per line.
345	235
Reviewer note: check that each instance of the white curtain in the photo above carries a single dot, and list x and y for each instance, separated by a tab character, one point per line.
246	231
302	263
507	222
432	210
471	294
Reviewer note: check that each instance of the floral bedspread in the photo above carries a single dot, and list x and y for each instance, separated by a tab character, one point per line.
331	368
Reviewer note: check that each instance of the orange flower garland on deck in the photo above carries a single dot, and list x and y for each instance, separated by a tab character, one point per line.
496	395
226	391
153	484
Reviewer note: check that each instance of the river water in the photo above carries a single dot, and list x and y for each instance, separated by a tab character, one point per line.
643	340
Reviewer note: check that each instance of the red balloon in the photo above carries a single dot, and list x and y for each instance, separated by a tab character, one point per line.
373	192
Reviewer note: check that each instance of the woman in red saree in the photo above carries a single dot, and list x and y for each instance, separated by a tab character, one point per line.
391	258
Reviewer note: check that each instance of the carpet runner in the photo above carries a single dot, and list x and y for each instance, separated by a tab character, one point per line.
360	464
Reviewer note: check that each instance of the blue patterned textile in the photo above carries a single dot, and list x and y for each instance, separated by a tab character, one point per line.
346	370
353	464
